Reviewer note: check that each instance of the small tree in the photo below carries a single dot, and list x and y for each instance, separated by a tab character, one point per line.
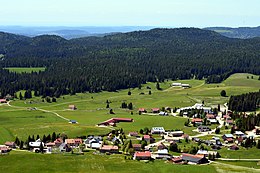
53	137
150	92
258	144
20	96
41	147
217	131
129	93
173	147
130	106
21	145
223	93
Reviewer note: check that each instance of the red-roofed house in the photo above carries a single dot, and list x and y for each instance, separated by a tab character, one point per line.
73	142
113	121
196	121
197	159
137	147
3	101
58	142
155	110
210	116
109	149
142	110
10	144
3	150
146	155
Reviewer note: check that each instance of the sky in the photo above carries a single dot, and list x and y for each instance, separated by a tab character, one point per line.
163	13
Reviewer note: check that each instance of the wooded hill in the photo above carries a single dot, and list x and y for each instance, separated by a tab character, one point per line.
123	60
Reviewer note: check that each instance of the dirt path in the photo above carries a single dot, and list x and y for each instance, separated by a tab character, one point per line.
224	168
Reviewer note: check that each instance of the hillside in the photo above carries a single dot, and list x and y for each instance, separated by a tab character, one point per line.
124	60
242	32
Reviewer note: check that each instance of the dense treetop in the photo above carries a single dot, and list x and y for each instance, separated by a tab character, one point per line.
123	60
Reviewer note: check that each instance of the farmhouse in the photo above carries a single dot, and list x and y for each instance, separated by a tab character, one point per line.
163	113
148	138
113	121
137	147
228	138
146	155
36	144
73	142
10	144
196	121
176	84
109	149
203	129
194	159
155	110
161	154
3	150
157	130
142	110
175	133
3	101
72	107
134	134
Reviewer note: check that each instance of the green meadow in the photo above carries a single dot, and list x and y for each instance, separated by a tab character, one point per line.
25	69
19	119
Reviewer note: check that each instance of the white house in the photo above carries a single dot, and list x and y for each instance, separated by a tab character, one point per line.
157	130
36	144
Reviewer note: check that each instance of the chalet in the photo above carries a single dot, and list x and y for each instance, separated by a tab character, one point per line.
113	121
157	130
133	134
203	129
228	138
163	113
240	134
36	144
3	101
172	139
137	147
210	116
142	110
176	133
72	107
109	149
161	154
148	138
50	144
73	142
196	121
58	142
73	122
234	147
155	110
3	150
10	144
146	155
203	153
194	159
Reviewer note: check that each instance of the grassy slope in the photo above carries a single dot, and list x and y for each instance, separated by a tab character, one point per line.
21	122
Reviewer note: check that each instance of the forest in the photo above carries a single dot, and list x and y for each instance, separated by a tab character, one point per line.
245	102
123	60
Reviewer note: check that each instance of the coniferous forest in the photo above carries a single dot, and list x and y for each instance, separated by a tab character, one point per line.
123	60
245	102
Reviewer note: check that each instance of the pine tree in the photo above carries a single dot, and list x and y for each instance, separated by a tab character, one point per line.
20	96
53	137
21	145
17	141
130	106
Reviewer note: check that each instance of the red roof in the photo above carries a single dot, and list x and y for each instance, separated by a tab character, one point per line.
176	159
109	147
155	109
210	116
141	109
229	139
147	136
137	145
116	120
196	120
143	154
2	100
9	143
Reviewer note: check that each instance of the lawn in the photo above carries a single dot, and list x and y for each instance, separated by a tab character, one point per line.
25	69
30	162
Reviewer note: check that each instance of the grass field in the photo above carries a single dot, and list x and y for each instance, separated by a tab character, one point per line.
25	69
19	120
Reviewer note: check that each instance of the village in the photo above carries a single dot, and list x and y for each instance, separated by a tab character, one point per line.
154	143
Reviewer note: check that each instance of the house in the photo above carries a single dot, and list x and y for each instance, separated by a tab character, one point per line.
176	84
157	130
50	144
3	150
36	144
155	110
194	159
176	133
3	101
239	134
73	142
142	110
10	144
163	113
203	129
113	121
213	121
234	147
133	134
177	160
58	142
228	138
93	142
229	122
161	154
210	116
72	107
73	122
204	153
137	147
109	149
148	138
172	139
146	155
196	121
185	85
